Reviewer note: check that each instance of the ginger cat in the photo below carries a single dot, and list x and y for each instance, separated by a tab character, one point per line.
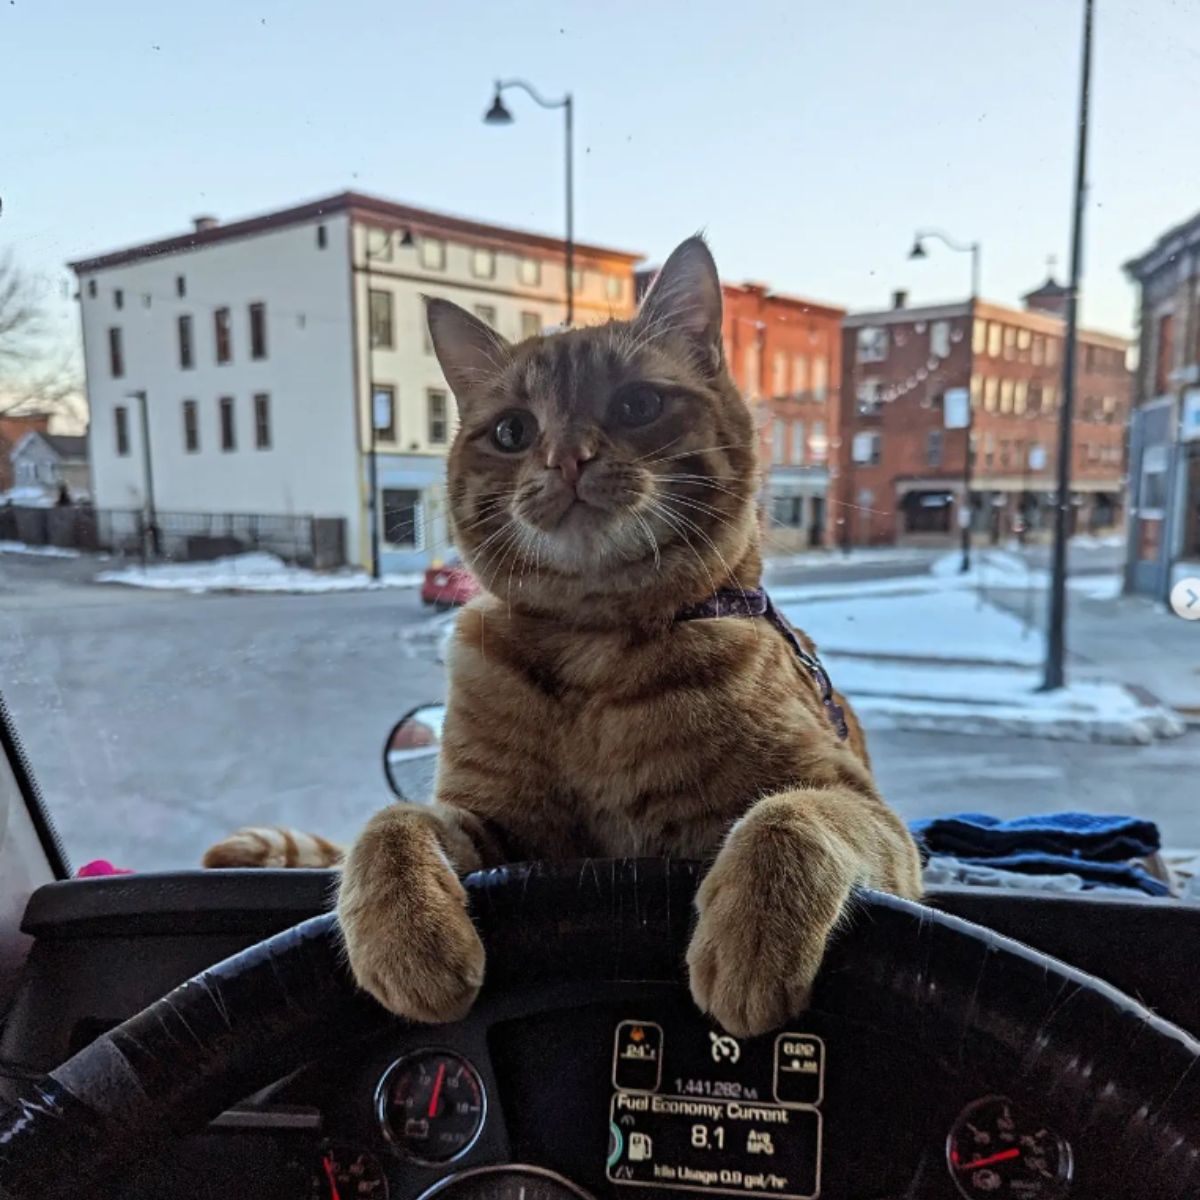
602	483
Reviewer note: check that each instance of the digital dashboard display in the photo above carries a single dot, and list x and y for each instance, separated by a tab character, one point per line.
696	1110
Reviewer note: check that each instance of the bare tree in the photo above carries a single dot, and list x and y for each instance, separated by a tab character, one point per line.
35	375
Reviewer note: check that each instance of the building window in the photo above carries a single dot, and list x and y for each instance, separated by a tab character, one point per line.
121	429
820	377
436	401
872	345
788	511
1152	492
778	373
258	330
989	451
180	286
1038	353
779	432
379	245
118	298
867	448
1005	452
976	390
995	333
1164	353
1020	390
262	421
224	342
614	287
531	325
798	447
228	440
1051	351
487	314
933	448
1010	341
383	411
979	336
1049	398
990	386
869	397
116	353
818	443
578	281
322	237
529	271
750	360
1006	395
483	263
379	318
939	339
433	254
1023	340
402	524
92	288
191	427
184	326
799	375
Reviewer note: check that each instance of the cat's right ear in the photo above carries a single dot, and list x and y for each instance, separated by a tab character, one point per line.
471	354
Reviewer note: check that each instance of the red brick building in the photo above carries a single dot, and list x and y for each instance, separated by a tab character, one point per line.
784	353
899	470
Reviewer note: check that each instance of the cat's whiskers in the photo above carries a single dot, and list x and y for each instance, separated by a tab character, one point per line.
715	549
670	519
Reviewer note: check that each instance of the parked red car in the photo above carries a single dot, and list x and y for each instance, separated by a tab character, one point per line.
447	585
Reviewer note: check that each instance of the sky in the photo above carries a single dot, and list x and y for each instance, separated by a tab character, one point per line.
808	140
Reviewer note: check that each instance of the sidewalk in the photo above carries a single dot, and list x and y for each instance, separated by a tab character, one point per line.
963	653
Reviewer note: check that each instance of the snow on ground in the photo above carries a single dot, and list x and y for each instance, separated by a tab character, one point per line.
39	551
945	624
249	573
993	700
837	558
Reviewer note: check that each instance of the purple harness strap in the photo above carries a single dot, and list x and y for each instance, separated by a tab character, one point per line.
754	602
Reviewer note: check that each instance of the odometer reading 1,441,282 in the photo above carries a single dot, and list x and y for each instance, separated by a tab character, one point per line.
431	1105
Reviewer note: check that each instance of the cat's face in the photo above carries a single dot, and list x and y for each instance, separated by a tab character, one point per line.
601	455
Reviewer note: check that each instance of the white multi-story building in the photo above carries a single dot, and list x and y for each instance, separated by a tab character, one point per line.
283	356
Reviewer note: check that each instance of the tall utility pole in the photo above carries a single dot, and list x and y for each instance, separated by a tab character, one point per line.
1056	631
499	114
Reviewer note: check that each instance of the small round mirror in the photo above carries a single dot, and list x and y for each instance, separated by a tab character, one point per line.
410	753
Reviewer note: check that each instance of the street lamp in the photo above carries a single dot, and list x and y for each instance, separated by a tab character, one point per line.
499	114
148	490
1056	625
918	251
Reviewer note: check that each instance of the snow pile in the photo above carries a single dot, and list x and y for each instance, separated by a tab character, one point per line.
943	624
254	572
39	551
30	496
981	700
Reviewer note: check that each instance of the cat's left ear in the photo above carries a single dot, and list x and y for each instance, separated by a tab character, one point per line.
472	354
685	297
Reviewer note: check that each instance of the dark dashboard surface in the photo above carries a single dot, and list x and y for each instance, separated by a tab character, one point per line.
621	1091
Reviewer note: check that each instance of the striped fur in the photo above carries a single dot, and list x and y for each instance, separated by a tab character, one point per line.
584	721
273	846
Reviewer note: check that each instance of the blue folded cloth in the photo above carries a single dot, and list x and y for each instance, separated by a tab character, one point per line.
1094	847
1094	874
1100	838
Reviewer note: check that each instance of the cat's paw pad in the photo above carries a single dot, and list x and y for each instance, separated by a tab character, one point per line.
414	948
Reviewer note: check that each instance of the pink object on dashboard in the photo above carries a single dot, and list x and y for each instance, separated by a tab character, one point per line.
100	866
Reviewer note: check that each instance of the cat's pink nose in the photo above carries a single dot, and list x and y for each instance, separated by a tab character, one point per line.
569	462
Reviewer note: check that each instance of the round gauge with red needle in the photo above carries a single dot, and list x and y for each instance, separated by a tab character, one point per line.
345	1173
431	1105
996	1150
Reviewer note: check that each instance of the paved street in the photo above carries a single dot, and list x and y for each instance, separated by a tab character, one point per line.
156	721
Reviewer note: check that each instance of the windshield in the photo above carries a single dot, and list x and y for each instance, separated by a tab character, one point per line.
227	559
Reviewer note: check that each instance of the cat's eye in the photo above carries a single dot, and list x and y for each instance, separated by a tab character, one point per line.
637	405
514	431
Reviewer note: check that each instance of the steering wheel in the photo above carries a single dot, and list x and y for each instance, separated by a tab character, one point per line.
1048	1034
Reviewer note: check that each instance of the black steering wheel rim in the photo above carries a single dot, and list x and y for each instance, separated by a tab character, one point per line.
1051	1035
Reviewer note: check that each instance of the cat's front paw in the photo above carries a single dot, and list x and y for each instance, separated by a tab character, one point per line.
766	909
411	943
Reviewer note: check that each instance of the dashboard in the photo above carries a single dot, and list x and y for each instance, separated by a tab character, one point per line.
619	1091
630	1095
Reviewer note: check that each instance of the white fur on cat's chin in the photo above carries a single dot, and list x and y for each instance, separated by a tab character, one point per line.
590	540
